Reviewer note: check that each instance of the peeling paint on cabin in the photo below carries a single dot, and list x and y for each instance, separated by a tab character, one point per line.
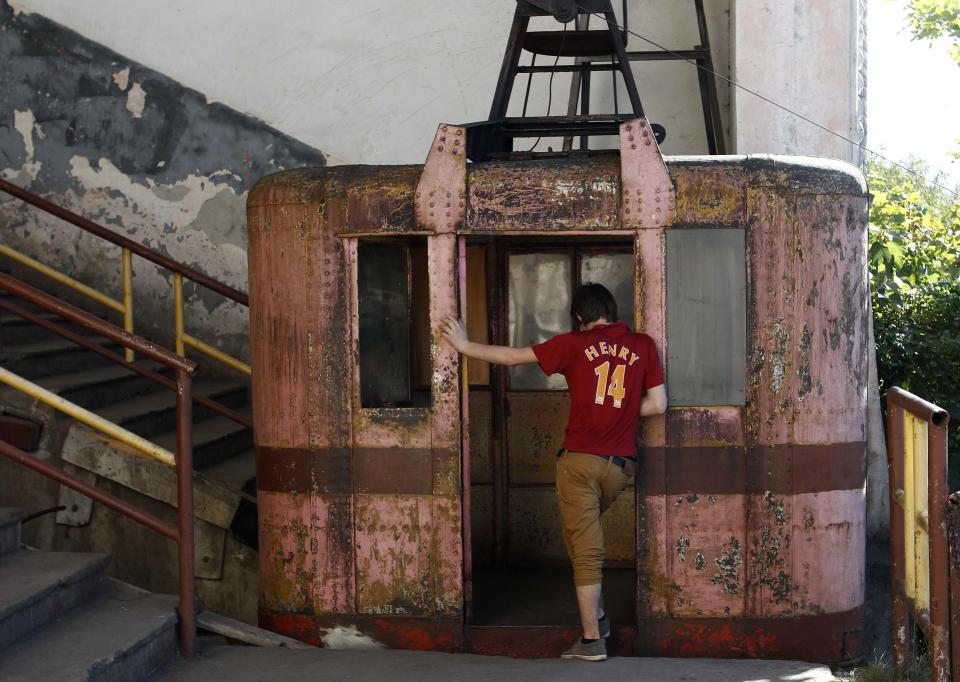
727	575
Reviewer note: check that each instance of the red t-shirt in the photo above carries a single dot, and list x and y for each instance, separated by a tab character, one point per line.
608	369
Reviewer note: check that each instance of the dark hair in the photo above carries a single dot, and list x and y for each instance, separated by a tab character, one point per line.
592	301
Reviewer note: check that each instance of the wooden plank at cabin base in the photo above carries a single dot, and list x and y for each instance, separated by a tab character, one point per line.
242	632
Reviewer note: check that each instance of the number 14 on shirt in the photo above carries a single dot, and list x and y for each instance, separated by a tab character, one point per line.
616	389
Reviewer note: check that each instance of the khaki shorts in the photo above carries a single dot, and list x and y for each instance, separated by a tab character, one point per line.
586	487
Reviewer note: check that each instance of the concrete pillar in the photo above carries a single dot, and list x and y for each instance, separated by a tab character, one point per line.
806	56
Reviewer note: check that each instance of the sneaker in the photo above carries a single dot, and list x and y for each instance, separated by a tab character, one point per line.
594	651
604	626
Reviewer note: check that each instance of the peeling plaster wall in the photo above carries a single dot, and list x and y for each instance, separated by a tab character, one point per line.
139	153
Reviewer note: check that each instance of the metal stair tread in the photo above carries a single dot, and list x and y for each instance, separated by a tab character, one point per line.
205	432
27	576
40	348
235	471
87	639
161	400
57	383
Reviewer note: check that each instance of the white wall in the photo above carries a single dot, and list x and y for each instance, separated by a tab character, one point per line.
802	54
367	81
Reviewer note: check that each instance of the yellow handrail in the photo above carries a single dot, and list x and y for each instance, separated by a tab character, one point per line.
66	280
125	307
87	417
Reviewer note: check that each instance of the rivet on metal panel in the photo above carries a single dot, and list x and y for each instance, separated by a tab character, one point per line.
643	124
459	132
629	127
440	148
444	128
630	138
633	146
455	152
648	143
627	209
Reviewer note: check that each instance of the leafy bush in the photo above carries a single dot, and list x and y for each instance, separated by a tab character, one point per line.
914	261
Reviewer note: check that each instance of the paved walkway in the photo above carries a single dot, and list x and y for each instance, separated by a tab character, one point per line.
247	664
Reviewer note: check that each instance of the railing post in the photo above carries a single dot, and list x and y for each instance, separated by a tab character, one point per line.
953	538
939	563
188	616
178	311
902	629
127	268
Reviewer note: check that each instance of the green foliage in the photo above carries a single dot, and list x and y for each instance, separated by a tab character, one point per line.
932	19
914	261
917	669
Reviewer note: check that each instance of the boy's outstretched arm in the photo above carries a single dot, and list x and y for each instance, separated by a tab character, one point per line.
455	334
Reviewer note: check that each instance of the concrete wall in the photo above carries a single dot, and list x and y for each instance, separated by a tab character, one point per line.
808	57
367	81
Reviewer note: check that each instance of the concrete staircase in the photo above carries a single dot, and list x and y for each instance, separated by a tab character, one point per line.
62	619
225	503
223	449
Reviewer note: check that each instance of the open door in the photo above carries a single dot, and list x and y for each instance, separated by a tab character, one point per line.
520	570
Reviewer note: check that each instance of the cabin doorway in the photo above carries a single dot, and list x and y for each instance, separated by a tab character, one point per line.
518	294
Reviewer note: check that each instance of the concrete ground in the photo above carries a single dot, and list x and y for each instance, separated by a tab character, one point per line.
246	664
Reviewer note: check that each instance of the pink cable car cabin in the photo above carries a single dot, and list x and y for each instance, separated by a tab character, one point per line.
408	501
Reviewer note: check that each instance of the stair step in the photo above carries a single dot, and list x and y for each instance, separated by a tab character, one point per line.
44	358
214	440
10	518
36	587
125	634
15	330
153	413
99	386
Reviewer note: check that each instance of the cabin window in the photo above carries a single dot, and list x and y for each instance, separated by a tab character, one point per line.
540	287
706	316
394	323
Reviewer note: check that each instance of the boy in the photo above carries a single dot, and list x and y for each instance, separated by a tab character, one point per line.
614	377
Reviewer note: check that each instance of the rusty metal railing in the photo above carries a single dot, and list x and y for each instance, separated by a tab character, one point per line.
128	249
917	459
183	460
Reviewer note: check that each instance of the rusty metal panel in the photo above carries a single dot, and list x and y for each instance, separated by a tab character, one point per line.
544	196
535	430
772	380
649	315
647	198
440	202
445	414
710	194
408	556
306	536
706	316
831	341
279	324
705	536
707	426
655	588
828	549
772	585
